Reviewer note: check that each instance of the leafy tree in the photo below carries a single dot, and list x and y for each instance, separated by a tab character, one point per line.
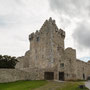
7	61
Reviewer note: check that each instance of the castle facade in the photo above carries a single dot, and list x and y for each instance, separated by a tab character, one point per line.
48	59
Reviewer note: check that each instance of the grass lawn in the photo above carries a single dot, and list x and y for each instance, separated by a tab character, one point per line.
22	85
41	85
72	86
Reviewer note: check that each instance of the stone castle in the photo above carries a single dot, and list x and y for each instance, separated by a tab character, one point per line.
48	59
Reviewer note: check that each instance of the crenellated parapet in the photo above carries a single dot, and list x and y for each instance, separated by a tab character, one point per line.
31	36
48	27
88	62
70	52
48	23
62	33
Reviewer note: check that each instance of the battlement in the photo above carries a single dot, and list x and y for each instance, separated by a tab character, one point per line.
49	23
70	52
62	33
88	62
48	27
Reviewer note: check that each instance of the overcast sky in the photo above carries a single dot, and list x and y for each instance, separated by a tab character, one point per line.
19	18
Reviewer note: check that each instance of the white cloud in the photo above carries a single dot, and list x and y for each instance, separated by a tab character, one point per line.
73	8
81	35
19	18
75	16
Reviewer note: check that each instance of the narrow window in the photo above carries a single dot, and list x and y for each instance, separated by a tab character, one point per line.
38	39
70	61
62	65
42	56
58	48
83	76
67	74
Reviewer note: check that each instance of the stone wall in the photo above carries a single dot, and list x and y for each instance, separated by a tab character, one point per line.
82	70
70	64
10	75
23	61
88	69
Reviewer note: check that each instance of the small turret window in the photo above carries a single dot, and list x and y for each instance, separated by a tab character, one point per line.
62	65
58	48
38	39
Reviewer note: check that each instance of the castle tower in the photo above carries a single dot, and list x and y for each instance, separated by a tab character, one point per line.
46	45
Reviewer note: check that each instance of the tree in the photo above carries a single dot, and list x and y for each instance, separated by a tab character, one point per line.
7	61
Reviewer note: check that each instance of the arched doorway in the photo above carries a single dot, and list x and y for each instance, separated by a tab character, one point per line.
83	76
61	76
49	75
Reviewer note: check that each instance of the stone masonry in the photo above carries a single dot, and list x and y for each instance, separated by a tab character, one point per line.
48	59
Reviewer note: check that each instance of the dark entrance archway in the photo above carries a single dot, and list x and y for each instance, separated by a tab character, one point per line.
49	75
61	76
88	78
83	76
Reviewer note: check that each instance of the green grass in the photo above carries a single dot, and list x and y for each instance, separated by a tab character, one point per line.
41	85
72	86
22	85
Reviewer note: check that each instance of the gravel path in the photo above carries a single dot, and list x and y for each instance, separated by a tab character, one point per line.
87	84
52	85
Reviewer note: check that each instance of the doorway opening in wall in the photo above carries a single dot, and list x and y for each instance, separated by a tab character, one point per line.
88	78
83	76
49	75
61	76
